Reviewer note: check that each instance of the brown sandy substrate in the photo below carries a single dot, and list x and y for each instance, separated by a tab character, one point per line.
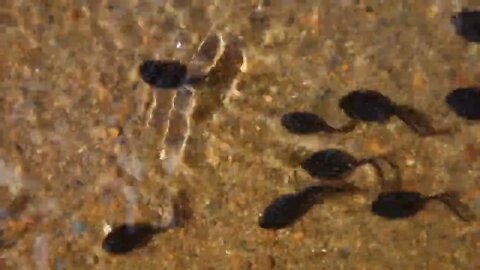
74	138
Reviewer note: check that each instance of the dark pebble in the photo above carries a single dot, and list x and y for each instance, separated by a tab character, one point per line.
163	74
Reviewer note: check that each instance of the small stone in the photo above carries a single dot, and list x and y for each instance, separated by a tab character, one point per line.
268	98
113	132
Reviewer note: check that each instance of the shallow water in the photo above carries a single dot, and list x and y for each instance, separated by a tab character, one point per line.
76	146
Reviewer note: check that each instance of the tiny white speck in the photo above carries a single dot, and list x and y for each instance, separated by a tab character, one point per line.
179	44
106	228
163	155
410	161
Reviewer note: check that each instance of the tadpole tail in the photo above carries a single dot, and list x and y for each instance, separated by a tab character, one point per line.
418	121
348	127
396	183
452	200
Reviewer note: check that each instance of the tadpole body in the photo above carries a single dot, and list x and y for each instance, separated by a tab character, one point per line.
367	106
372	106
465	102
467	24
288	208
163	74
128	237
330	164
309	123
404	204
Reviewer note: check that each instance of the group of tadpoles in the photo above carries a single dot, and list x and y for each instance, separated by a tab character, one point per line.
332	166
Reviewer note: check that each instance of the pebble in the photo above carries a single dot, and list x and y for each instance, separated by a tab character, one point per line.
113	132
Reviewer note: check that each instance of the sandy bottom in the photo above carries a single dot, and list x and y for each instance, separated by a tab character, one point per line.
78	154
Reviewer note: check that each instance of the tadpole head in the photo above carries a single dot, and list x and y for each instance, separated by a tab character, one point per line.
288	208
163	74
304	123
465	102
467	25
367	105
331	164
397	204
128	237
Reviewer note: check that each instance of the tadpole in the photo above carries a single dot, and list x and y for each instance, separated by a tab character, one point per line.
403	204
372	106
308	123
128	237
334	164
288	208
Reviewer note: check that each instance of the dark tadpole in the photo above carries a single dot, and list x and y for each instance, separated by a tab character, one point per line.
309	123
288	208
330	164
372	106
467	25
128	237
334	164
465	102
403	204
163	74
368	106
